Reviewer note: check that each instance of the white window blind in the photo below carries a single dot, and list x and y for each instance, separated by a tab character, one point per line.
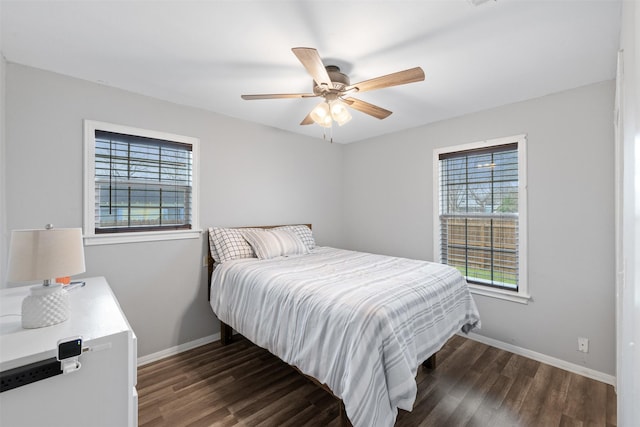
141	183
479	214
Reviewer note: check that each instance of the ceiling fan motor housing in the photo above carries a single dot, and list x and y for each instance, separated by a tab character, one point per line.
339	80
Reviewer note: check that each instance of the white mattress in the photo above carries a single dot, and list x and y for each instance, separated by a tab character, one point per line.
359	323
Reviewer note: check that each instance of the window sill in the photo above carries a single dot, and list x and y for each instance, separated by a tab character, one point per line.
151	236
519	297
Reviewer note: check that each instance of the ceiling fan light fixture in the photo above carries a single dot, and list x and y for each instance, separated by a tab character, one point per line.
321	114
327	122
340	113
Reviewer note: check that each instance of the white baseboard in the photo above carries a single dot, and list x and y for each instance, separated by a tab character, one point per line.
177	349
549	360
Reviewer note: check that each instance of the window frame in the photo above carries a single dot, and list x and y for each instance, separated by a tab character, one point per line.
522	294
93	238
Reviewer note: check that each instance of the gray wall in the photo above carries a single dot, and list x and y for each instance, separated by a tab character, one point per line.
388	187
250	174
374	196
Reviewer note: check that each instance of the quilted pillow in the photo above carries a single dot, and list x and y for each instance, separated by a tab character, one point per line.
273	243
228	244
303	232
212	246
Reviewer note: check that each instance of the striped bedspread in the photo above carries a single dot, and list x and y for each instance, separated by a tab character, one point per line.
359	323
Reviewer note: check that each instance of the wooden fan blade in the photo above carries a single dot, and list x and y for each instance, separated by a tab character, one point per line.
310	58
370	109
278	95
400	78
307	120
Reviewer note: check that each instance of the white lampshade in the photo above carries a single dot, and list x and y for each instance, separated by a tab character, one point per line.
327	112
321	114
45	254
339	112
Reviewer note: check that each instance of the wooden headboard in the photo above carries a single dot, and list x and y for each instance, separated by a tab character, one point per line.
211	261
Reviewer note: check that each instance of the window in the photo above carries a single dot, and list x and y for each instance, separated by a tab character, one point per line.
480	225
139	185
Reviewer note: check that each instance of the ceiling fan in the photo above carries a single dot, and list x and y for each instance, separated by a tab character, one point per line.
336	89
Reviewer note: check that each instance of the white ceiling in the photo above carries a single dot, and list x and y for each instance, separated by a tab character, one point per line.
207	53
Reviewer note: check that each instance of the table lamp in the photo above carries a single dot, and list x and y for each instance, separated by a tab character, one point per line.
45	255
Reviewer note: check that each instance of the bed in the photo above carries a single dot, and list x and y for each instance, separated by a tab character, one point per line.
358	323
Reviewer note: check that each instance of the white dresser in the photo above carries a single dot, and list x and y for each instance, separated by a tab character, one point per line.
101	393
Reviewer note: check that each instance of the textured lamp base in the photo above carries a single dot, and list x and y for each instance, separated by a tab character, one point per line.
47	305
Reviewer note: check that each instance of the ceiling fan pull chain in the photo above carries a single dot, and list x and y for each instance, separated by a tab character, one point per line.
324	133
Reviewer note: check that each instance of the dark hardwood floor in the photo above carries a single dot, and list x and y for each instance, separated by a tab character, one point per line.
472	385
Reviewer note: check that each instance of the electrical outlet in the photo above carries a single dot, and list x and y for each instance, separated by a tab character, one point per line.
583	344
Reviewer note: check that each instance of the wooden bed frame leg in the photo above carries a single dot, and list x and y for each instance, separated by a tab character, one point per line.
226	333
430	363
344	420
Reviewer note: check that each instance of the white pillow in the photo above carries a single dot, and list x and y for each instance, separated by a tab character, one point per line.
273	243
228	244
303	232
